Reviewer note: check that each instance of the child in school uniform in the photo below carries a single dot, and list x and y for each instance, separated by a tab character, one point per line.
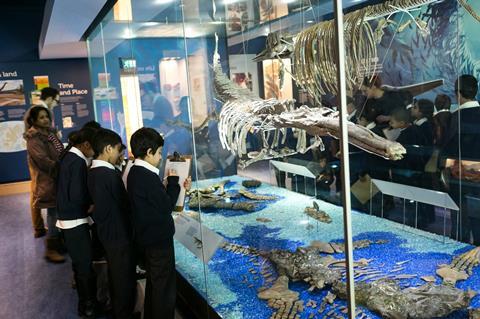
152	204
112	216
409	137
422	112
73	203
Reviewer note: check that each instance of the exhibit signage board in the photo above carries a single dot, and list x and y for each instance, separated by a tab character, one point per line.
20	86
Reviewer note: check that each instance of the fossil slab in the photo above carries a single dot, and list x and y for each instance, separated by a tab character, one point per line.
387	299
251	183
253	196
279	290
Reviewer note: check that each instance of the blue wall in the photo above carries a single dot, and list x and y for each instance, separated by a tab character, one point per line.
13	165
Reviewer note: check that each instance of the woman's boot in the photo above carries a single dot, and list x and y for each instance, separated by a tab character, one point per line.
51	253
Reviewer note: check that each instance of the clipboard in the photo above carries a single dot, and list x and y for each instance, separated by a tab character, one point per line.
181	164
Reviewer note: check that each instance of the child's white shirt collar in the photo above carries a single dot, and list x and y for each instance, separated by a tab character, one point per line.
150	167
100	163
79	153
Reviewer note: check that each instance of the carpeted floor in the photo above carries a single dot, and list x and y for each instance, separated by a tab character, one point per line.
29	286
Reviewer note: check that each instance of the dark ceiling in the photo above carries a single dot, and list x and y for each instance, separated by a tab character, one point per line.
20	5
20	29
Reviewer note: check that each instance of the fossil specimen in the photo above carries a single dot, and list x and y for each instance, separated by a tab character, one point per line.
451	276
318	214
428	278
253	196
279	290
467	261
243	113
218	202
303	264
218	188
251	183
331	248
474	314
460	268
239	249
387	298
314	70
263	220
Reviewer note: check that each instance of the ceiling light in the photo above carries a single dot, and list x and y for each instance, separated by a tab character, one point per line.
310	21
163	1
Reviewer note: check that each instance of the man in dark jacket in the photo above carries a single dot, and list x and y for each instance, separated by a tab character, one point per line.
463	144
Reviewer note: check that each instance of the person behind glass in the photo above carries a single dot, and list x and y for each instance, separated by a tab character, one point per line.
73	209
409	165
351	110
441	119
152	204
441	126
374	166
49	99
383	101
43	152
324	176
368	118
422	112
112	215
463	143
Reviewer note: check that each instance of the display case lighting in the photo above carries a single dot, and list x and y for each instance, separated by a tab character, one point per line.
163	1
128	34
151	24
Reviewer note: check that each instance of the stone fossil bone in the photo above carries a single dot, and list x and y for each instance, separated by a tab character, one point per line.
279	290
388	299
253	196
316	213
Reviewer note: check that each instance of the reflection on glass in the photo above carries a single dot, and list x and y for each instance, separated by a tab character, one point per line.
131	118
122	10
277	79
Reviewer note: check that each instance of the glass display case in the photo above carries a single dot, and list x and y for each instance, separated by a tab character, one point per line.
249	91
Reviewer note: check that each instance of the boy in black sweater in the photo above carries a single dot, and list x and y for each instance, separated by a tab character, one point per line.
73	204
152	205
113	219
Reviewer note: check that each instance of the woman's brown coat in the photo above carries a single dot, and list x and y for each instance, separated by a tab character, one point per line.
43	163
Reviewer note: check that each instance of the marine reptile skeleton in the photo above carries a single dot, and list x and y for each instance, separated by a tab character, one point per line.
244	113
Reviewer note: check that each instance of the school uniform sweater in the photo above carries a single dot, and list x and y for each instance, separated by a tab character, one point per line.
152	205
73	199
111	212
463	140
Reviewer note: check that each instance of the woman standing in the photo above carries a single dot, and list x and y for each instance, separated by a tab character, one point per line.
44	149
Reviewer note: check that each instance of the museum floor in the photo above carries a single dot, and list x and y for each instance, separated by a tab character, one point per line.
29	286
